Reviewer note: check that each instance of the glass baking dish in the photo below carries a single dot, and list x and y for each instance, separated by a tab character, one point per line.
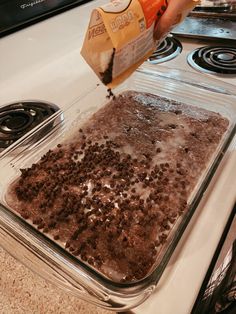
51	261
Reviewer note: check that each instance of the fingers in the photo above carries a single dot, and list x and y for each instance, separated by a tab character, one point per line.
164	26
168	20
172	16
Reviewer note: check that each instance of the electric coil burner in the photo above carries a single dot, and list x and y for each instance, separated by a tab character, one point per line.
17	119
167	50
214	59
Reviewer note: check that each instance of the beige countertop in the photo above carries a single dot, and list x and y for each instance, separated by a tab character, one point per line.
22	291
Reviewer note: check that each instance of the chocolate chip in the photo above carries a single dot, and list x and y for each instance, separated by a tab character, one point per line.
178	111
25	215
172	126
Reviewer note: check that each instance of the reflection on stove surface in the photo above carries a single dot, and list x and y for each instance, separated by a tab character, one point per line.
167	50
214	59
17	119
214	6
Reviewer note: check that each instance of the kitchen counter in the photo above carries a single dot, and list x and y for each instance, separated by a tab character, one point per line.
24	292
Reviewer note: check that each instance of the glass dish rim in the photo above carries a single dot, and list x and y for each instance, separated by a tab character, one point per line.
155	275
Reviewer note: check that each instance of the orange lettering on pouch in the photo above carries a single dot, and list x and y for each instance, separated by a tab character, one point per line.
152	10
96	30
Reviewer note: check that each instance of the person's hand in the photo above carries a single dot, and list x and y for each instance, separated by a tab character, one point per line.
176	10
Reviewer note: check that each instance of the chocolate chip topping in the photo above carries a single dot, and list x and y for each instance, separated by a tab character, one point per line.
112	196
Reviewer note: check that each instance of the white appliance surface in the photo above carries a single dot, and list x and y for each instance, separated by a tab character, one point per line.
43	62
189	44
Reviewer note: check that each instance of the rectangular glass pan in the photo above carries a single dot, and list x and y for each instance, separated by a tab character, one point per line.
46	257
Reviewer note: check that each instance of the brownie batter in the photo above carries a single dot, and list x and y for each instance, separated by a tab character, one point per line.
113	193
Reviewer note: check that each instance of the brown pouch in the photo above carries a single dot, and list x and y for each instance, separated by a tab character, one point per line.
120	37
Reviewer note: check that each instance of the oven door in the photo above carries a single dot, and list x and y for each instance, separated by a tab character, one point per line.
18	13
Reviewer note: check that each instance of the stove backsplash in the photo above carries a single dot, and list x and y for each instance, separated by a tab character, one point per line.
216	5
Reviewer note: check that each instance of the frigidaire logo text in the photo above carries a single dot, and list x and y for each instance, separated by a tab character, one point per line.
30	4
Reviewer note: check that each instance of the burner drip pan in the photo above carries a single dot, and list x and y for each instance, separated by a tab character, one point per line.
167	50
18	118
214	60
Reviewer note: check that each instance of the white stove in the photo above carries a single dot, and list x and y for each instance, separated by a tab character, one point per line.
219	63
43	62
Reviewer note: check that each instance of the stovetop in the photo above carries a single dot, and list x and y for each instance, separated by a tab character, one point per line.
210	20
207	28
215	58
53	74
48	58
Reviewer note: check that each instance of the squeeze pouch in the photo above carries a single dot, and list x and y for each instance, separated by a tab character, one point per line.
120	37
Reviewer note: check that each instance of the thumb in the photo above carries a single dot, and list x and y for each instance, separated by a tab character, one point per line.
165	24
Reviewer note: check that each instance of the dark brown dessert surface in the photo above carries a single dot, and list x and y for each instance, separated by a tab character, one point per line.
113	193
